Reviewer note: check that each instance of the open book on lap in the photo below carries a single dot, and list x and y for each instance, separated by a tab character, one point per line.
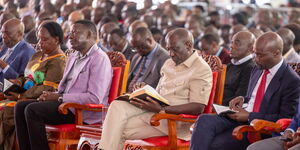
142	93
11	87
225	110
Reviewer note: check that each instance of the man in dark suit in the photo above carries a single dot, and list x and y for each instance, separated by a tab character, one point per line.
118	42
239	70
146	64
14	58
273	93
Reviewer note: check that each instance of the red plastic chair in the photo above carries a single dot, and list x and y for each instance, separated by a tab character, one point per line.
67	134
170	142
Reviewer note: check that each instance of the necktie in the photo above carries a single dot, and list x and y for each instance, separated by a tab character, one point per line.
138	74
260	91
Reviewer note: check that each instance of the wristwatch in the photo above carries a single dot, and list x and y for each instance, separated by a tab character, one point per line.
60	99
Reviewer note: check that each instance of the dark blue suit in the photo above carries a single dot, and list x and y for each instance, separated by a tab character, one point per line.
17	60
280	101
295	124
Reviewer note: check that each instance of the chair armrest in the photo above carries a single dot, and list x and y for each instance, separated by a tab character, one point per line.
259	125
189	116
63	108
157	117
238	132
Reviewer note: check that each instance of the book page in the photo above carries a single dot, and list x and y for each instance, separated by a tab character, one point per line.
151	91
7	84
220	108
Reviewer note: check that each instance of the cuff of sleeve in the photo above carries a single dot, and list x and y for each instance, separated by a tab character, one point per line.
290	129
5	69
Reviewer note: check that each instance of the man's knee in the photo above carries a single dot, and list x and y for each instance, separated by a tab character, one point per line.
206	121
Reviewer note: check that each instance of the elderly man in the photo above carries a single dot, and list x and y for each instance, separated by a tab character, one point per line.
189	96
80	84
289	53
118	42
239	70
14	58
273	93
146	64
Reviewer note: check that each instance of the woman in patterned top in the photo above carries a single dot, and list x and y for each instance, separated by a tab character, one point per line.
43	73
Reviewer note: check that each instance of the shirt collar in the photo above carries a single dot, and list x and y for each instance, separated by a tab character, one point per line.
125	47
275	68
219	51
152	52
15	45
189	62
241	61
80	56
288	53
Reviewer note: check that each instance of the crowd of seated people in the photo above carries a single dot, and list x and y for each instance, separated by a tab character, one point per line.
56	51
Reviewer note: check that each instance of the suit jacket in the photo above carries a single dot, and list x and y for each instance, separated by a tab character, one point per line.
129	53
17	61
237	80
152	74
224	56
281	96
90	83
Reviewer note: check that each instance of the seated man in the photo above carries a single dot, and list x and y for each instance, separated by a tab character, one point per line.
117	42
273	93
289	53
210	45
14	58
185	82
147	63
81	83
239	70
279	143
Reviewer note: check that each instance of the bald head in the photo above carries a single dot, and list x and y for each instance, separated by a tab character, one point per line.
242	45
135	25
287	37
256	32
12	32
75	16
180	44
268	49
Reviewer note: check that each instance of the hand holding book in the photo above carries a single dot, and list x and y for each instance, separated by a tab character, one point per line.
148	104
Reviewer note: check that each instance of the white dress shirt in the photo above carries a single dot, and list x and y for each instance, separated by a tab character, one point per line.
270	76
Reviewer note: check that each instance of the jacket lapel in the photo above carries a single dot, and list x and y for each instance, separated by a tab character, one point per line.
253	81
79	70
273	86
135	65
152	63
16	51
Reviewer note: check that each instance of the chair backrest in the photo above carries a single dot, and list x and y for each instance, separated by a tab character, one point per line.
114	88
117	59
125	78
208	108
296	67
220	86
216	66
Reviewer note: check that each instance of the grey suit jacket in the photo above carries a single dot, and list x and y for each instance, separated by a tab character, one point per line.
152	74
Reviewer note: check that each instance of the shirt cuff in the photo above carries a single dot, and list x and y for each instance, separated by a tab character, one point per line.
5	69
290	129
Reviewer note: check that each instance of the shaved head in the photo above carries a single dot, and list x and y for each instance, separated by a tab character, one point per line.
75	16
12	32
268	49
180	44
242	45
288	38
